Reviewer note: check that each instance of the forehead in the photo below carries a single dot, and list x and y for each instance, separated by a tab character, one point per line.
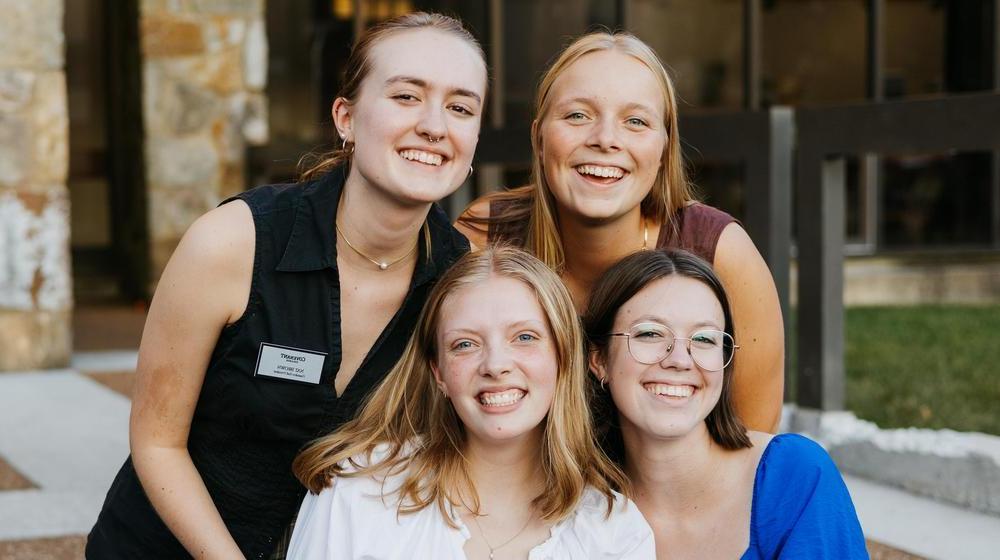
679	299
441	59
495	301
609	76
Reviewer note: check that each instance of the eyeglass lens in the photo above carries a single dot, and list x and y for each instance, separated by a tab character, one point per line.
650	343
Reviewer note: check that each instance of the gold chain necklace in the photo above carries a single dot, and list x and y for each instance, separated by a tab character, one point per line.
382	265
506	542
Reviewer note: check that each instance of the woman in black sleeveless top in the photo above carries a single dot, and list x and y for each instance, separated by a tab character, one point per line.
284	307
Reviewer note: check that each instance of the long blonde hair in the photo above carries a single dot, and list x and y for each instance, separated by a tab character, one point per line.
535	202
424	435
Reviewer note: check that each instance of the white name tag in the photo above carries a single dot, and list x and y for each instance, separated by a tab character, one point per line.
293	364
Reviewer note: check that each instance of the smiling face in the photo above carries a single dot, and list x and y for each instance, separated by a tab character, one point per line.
496	359
415	122
603	136
670	398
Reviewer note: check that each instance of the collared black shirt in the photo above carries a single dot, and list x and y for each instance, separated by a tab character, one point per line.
248	428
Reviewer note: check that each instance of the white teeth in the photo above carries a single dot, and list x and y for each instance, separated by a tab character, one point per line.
601	171
506	398
421	156
670	390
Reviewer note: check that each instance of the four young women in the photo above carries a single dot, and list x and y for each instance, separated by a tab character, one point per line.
282	312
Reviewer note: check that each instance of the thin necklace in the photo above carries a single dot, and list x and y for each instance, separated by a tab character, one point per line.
645	235
382	265
506	542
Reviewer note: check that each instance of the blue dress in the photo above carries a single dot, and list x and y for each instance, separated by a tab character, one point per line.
801	508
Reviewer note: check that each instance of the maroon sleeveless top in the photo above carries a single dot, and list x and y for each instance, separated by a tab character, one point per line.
695	228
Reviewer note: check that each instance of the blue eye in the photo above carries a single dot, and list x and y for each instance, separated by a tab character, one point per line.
462	345
575	116
636	121
526	337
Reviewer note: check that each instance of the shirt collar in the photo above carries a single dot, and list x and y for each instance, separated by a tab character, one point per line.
312	244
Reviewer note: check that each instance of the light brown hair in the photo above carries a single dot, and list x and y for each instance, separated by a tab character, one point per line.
618	285
424	437
535	203
359	66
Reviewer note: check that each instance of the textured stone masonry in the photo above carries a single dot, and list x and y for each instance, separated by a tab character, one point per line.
35	280
204	72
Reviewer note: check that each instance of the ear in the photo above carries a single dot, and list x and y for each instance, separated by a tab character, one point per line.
343	119
536	135
596	364
437	377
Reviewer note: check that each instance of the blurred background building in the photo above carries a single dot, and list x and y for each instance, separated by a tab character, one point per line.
122	121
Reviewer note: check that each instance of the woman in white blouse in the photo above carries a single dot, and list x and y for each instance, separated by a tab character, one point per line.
479	443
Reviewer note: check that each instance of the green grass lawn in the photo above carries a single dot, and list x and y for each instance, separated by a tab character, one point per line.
925	366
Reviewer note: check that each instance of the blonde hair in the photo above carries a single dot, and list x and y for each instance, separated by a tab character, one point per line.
359	66
536	204
424	434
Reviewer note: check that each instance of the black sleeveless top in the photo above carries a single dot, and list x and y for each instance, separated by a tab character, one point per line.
248	426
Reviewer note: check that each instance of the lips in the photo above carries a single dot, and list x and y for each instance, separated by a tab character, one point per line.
669	390
422	156
501	398
601	171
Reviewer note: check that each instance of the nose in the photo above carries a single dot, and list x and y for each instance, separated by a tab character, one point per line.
679	356
431	125
497	361
604	135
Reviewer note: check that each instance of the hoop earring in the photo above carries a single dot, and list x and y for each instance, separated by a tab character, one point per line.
604	382
470	173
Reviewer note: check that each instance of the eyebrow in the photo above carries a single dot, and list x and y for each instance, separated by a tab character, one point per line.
532	323
654	319
628	106
423	84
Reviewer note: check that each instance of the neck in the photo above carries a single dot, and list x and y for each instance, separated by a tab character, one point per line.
672	475
376	224
506	475
590	247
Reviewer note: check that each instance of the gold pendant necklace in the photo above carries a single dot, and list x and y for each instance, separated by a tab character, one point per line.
382	265
645	235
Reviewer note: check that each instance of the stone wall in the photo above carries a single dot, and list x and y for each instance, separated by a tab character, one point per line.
35	280
204	71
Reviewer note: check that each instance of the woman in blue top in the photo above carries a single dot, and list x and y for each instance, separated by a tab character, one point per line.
662	348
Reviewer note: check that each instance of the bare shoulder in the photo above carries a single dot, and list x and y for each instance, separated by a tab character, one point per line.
472	222
214	260
224	234
735	248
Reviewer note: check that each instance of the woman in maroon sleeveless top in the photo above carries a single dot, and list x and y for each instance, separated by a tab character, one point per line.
609	180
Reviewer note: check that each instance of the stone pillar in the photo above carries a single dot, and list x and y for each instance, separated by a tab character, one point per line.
35	281
204	71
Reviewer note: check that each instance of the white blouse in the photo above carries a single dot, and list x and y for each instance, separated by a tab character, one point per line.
351	520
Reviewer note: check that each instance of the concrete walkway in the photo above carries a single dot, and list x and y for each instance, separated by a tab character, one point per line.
68	434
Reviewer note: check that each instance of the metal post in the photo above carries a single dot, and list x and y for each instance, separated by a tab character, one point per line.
871	179
995	176
751	55
820	212
490	175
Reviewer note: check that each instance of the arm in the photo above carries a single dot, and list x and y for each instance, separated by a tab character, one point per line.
758	385
477	233
205	285
812	515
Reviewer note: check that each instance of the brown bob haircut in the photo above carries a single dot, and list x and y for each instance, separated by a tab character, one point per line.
618	285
